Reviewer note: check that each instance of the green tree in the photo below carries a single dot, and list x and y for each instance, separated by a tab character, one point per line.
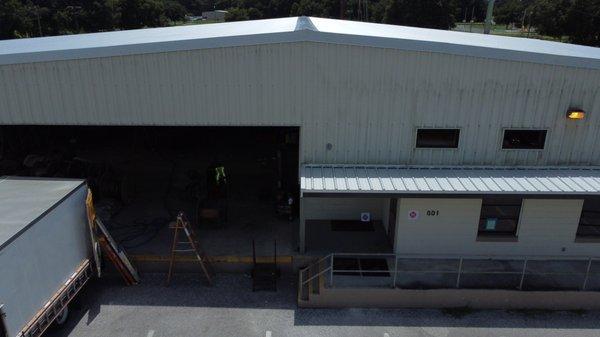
68	20
174	10
143	13
377	10
277	8
469	10
101	15
307	8
237	14
437	14
15	20
549	17
509	11
582	22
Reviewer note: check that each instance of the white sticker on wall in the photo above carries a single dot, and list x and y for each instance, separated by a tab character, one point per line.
365	217
413	214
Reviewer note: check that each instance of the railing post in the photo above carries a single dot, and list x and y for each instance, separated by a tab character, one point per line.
300	285
523	274
587	274
331	272
395	272
460	264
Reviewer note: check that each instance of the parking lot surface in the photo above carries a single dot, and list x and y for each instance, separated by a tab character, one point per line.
230	308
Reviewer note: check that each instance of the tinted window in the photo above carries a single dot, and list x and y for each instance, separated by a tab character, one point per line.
524	139
589	222
438	138
499	216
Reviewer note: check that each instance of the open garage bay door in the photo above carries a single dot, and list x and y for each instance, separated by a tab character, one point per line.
142	176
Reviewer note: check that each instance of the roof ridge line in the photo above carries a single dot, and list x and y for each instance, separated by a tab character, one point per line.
304	23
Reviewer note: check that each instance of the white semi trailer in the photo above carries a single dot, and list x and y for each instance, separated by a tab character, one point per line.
44	251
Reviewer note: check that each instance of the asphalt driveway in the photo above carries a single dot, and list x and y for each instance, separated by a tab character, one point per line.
187	308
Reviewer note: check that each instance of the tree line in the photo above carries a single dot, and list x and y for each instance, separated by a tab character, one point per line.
576	21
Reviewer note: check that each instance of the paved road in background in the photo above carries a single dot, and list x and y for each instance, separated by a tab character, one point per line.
186	308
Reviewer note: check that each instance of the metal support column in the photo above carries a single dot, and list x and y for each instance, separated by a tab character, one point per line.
302	229
331	272
395	272
460	265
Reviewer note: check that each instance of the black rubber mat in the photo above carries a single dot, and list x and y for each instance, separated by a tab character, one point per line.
348	264
352	226
352	266
375	264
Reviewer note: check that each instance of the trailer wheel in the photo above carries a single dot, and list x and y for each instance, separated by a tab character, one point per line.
62	317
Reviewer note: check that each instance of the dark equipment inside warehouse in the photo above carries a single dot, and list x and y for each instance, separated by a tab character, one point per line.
236	183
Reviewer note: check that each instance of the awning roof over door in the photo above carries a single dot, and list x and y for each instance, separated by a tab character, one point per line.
372	179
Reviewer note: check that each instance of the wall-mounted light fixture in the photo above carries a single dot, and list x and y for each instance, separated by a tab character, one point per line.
575	113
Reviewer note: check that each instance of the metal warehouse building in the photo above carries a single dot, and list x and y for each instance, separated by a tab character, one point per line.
389	139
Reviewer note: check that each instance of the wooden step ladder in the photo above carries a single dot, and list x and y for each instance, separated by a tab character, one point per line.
191	244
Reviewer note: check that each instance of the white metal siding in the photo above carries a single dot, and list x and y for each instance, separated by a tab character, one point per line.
453	231
367	102
546	226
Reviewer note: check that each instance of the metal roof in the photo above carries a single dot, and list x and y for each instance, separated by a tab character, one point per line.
295	29
448	180
24	200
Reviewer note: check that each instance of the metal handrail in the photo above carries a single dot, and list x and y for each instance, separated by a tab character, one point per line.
317	263
316	275
522	270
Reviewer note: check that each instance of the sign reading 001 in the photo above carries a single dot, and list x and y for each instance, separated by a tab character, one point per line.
433	212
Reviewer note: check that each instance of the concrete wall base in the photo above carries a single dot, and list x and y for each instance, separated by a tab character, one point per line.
454	298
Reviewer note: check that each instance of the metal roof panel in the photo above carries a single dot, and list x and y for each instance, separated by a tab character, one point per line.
296	29
451	180
24	200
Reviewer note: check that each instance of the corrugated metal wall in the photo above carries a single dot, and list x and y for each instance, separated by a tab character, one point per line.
366	102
